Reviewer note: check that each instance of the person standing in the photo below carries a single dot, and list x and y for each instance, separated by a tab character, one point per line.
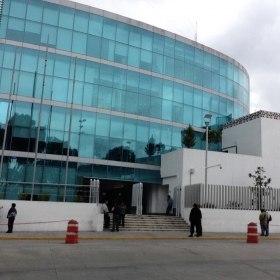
169	202
116	217
195	220
105	211
269	219
263	222
11	218
122	214
199	227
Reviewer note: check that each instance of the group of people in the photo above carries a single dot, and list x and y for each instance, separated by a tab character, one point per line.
264	218
118	210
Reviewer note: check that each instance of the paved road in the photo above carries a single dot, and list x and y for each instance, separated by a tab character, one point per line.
139	259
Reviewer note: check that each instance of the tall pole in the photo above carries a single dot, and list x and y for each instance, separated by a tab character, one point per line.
206	153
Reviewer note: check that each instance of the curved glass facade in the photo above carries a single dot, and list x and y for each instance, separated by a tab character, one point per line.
87	93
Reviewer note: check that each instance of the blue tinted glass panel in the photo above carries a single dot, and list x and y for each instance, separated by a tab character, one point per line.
189	54
81	21
50	14
156	89
166	135
167	90
121	53
230	71
95	25
198	57
215	103
207	79
15	29
157	63
189	72
49	31
158	43
155	131
144	105
79	43
215	82
25	84
178	92
102	125
130	126
134	37
223	84
167	110
230	108
60	89
230	88
223	106
188	114
168	66
108	49
122	32
156	107
32	32
92	72
147	40
62	66
18	9
143	131
177	112
134	57
188	95
118	100
179	50
235	74
109	28
206	101
198	75
28	61
146	60
116	129
64	39
215	64
145	82
66	17
176	137
131	102
104	97
169	46
106	75
197	102
90	95
119	78
132	81
94	46
78	92
197	117
34	11
207	60
179	69
223	67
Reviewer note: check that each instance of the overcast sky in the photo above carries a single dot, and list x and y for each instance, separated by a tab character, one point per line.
246	30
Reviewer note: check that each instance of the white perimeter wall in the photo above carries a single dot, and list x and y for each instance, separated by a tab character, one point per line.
221	220
31	212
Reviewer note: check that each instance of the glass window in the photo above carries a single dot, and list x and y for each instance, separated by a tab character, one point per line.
143	131
25	84
207	61
15	29
134	37
198	75
168	66
32	32
147	40
116	129
122	32
189	54
121	53
106	75
177	137
207	78
18	8
198	57
62	66
57	118
50	14
158	43
64	39
29	60
108	49
66	17
104	97
178	92
79	43
81	21
189	72
235	74
132	81
118	100
131	102
215	103
90	95
169	46
179	50
215	82
92	72
230	87
130	127
119	78
206	101
223	67
7	77
167	90
60	89
145	84
144	105
109	28
198	117
146	60
166	135
188	114
179	69
197	102
78	91
134	57
167	110
49	32
95	25
215	64
34	11
94	46
157	65
156	89
102	124
177	112
155	132
86	146
230	108
223	84
156	107
223	106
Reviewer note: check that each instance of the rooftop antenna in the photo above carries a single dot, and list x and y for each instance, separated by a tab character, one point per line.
195	36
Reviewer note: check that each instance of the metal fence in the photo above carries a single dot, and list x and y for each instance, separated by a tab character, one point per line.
232	197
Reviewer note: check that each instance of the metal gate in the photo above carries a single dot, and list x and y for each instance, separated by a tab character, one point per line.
94	191
137	194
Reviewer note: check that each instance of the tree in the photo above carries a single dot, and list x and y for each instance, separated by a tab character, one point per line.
150	148
189	137
214	136
260	183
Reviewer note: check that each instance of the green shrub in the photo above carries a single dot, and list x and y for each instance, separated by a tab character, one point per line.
78	198
23	196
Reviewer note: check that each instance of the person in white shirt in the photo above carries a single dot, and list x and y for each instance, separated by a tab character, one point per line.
105	211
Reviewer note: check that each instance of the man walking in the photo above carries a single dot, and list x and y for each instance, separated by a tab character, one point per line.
195	220
263	222
169	202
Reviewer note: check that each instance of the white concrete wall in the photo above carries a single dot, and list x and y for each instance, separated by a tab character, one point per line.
221	220
38	215
246	136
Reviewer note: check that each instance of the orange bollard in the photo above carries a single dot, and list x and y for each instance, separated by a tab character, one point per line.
72	232
252	233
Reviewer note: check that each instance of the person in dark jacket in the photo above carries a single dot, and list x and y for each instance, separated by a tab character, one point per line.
116	217
11	218
122	214
195	220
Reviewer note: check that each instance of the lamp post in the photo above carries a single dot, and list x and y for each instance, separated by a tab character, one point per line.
207	119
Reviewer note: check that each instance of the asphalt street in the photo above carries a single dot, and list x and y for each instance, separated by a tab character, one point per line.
139	259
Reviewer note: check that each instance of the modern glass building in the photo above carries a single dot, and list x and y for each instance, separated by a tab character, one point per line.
85	93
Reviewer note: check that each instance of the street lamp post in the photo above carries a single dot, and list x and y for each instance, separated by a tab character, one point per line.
207	119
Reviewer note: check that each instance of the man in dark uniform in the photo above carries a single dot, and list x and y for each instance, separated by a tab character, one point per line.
116	217
11	217
195	220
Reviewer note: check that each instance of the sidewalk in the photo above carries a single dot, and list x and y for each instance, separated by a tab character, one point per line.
129	235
